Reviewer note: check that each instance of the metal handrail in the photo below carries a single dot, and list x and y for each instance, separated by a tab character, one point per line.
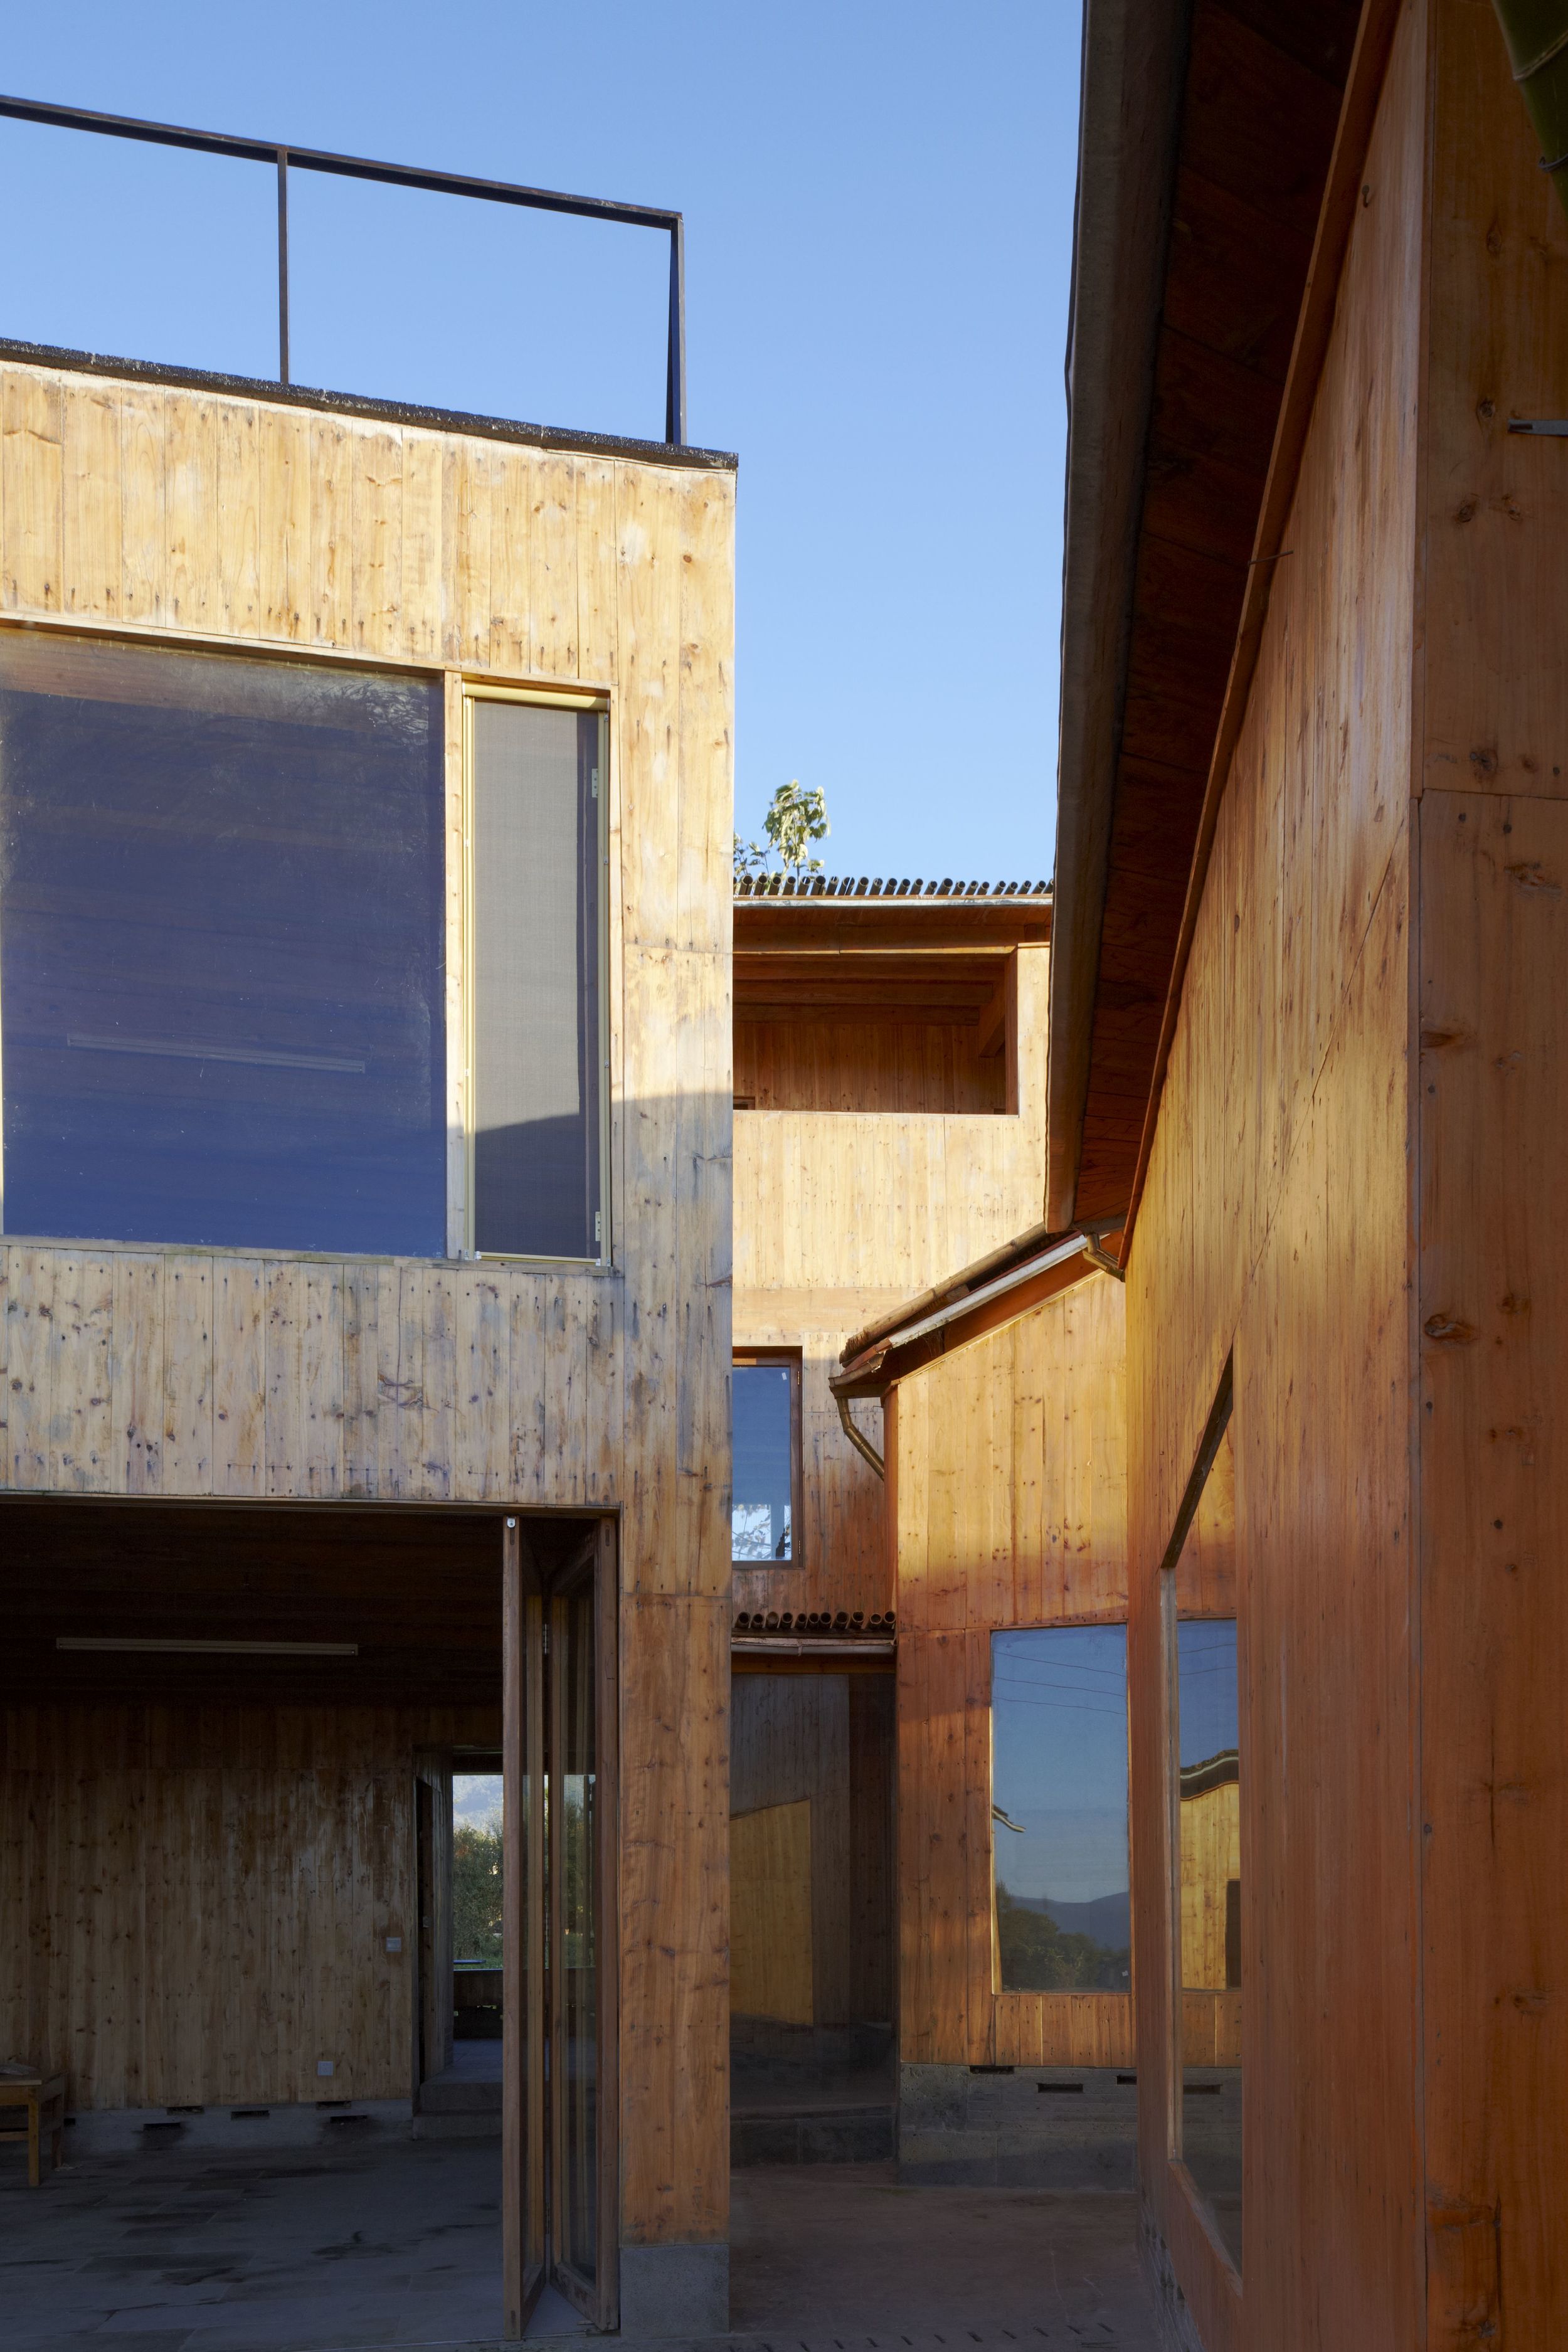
396	175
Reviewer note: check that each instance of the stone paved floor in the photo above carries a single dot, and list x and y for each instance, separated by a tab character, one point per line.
396	2243
842	2254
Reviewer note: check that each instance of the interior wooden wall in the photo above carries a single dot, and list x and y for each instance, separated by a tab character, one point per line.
840	1217
848	1065
1009	1502
225	520
826	1740
197	1901
1275	1222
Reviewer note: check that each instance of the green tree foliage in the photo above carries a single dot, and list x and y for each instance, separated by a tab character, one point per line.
794	819
477	1892
1036	1956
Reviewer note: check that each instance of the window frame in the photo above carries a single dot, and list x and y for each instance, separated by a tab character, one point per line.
1170	1618
473	691
793	1361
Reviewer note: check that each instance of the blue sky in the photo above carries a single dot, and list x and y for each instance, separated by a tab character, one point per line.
878	207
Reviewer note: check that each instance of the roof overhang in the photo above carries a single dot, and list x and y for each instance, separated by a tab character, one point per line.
1220	156
995	1290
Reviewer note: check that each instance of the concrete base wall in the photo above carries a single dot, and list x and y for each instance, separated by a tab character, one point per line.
682	2290
966	2127
117	2131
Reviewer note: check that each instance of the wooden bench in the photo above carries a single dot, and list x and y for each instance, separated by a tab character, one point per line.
44	2097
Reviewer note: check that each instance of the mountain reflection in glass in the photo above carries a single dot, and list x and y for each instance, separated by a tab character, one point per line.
1059	1791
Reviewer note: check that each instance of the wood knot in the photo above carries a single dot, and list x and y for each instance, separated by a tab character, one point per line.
1464	511
1448	1331
1530	875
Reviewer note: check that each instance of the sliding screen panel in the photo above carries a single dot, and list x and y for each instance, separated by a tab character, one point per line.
534	979
221	949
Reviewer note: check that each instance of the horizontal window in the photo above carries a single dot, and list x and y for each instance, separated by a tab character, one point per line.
221	963
1059	1801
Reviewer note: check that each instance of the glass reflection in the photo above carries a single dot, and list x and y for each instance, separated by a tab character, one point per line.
221	949
764	1414
572	1827
1059	1787
1208	1748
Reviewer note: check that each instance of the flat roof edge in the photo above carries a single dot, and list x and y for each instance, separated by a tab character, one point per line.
381	412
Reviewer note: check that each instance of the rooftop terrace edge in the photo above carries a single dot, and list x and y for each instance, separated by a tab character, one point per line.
381	412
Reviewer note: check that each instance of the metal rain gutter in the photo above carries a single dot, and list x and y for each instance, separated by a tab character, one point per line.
871	1361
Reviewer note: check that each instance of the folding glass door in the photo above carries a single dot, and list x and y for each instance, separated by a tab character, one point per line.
558	2150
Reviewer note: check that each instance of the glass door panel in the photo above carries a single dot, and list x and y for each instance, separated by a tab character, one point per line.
574	1940
559	2196
523	2178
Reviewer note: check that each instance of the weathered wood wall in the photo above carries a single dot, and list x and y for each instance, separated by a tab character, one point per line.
1009	1504
1276	1224
229	520
839	1216
197	1901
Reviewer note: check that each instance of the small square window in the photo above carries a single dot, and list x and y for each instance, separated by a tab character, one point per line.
765	1508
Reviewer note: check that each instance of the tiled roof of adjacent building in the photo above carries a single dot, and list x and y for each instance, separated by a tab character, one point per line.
847	886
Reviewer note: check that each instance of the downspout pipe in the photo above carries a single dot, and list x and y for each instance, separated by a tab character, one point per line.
1536	32
857	1437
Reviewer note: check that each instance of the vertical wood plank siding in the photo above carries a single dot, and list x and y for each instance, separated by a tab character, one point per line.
1009	1495
1276	1224
840	1215
189	1374
197	1900
1490	1307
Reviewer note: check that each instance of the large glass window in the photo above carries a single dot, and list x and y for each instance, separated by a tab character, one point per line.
538	1056
766	1428
1058	1802
221	968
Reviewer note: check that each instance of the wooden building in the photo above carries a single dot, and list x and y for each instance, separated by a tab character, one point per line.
889	1091
365	783
1303	1100
1319	1087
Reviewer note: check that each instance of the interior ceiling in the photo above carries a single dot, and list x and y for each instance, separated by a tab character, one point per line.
1259	117
419	1591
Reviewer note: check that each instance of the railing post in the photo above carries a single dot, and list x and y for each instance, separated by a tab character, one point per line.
282	265
675	394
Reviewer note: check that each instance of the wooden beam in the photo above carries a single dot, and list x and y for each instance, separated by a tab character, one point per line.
991	1029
